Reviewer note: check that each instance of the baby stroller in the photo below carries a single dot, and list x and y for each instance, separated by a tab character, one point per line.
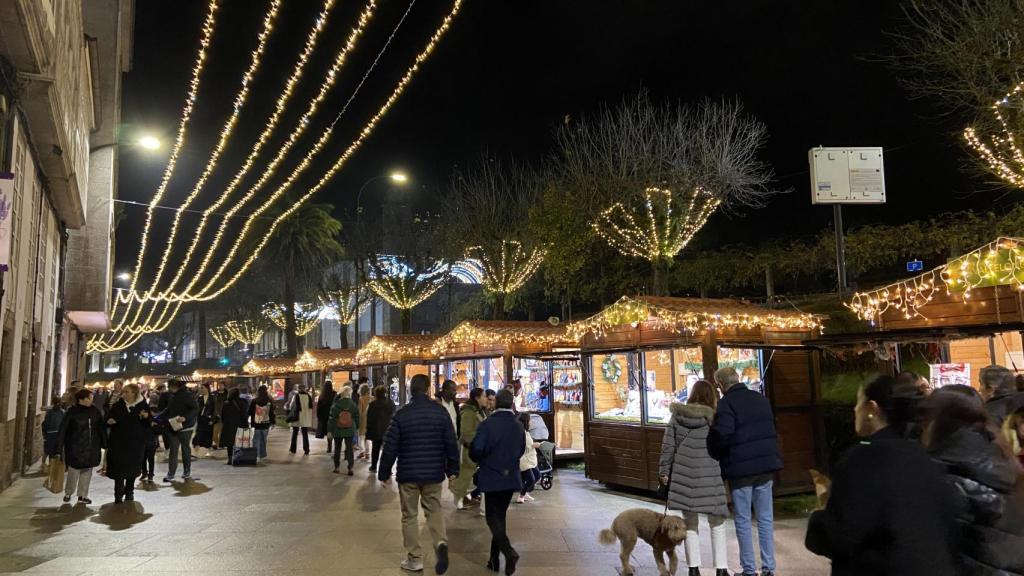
546	464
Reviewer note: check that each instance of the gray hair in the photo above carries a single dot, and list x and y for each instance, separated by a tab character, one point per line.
364	389
727	377
999	379
345	392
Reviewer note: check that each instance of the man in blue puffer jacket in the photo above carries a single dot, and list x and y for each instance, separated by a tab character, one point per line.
744	441
422	439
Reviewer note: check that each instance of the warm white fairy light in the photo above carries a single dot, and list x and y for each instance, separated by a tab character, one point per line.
347	303
507	271
225	133
247	331
222	336
125	336
998	263
307	316
269	170
179	140
502	333
632	311
658	227
405	292
208	292
1002	152
341	161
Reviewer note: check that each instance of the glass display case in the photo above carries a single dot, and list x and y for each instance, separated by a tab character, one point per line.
534	394
616	392
748	362
491	373
462	373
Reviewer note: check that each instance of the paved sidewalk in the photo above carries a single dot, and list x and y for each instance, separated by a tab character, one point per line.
292	516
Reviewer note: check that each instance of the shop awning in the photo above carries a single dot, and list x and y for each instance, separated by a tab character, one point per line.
213	374
503	333
270	366
387	348
325	359
693	315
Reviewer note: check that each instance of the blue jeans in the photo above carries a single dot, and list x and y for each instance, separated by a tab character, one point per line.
259	440
759	498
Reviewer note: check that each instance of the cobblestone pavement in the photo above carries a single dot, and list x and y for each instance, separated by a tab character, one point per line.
292	516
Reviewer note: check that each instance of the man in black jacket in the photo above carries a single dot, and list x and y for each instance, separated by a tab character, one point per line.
180	419
744	441
422	439
999	390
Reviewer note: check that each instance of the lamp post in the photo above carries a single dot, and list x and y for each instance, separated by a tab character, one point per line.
396	177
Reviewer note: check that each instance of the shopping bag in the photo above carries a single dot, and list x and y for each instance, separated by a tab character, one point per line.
243	456
243	438
55	478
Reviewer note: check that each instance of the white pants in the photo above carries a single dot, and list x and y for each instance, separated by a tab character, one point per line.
718	552
78	478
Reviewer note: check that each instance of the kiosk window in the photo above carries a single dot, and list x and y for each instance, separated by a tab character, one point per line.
534	394
748	364
616	392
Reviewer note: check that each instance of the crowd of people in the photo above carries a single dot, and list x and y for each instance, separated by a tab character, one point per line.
934	487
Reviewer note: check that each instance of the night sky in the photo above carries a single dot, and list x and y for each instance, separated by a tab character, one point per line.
509	72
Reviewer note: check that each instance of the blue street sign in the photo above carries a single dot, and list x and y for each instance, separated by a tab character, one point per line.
915	266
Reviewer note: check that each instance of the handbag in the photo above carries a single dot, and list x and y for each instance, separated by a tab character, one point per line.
55	476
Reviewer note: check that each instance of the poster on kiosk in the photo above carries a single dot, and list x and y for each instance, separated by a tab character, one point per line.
950	374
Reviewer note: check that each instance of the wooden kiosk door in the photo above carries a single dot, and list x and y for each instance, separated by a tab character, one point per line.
794	390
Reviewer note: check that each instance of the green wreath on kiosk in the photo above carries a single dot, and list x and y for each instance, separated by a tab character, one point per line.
611	369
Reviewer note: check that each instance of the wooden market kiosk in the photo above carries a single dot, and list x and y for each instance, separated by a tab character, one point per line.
543	357
970	310
641	354
393	359
275	373
320	364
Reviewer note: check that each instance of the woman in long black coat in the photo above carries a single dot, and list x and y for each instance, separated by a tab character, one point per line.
204	423
130	431
378	418
232	417
323	412
80	440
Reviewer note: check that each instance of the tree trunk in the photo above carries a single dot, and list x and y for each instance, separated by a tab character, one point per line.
659	276
201	353
343	330
289	308
406	320
769	286
499	306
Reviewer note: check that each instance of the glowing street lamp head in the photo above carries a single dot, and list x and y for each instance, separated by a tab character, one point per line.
149	142
399	177
124	276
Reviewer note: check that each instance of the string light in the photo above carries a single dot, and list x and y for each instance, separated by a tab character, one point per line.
299	129
388	348
1000	262
347	302
247	330
654	229
179	140
690	315
214	374
341	161
270	366
325	359
367	130
307	316
507	271
222	336
503	333
225	133
1002	153
403	286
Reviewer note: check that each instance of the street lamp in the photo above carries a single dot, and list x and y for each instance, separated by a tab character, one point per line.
399	177
124	276
149	142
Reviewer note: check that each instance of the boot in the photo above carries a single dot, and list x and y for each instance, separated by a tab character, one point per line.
721	572
694	571
493	564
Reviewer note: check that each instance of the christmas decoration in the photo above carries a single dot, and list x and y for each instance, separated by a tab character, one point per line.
512	267
307	316
658	226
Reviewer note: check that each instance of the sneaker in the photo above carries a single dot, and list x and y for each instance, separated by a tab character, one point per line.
67	499
84	501
190	478
373	469
482	512
442	559
410	565
528	498
520	500
168	479
459	505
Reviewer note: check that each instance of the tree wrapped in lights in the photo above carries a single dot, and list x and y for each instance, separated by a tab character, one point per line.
222	336
999	147
246	325
307	316
485	211
406	281
346	299
648	177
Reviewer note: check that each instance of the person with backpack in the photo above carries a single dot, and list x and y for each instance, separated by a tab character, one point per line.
344	423
261	417
51	427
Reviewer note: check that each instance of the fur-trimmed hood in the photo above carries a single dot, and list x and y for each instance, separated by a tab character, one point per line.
692	415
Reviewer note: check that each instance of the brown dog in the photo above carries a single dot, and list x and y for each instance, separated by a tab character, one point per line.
661	531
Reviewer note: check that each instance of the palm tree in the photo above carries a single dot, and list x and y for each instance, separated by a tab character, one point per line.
303	245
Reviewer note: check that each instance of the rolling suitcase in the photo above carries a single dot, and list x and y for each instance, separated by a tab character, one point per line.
243	453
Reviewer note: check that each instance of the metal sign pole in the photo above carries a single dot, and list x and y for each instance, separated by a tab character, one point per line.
837	217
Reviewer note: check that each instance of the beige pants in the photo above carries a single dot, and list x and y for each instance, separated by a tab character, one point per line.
411	496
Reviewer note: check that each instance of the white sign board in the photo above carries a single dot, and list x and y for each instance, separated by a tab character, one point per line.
950	374
6	202
847	175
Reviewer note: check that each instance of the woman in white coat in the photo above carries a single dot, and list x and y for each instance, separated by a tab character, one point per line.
300	416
